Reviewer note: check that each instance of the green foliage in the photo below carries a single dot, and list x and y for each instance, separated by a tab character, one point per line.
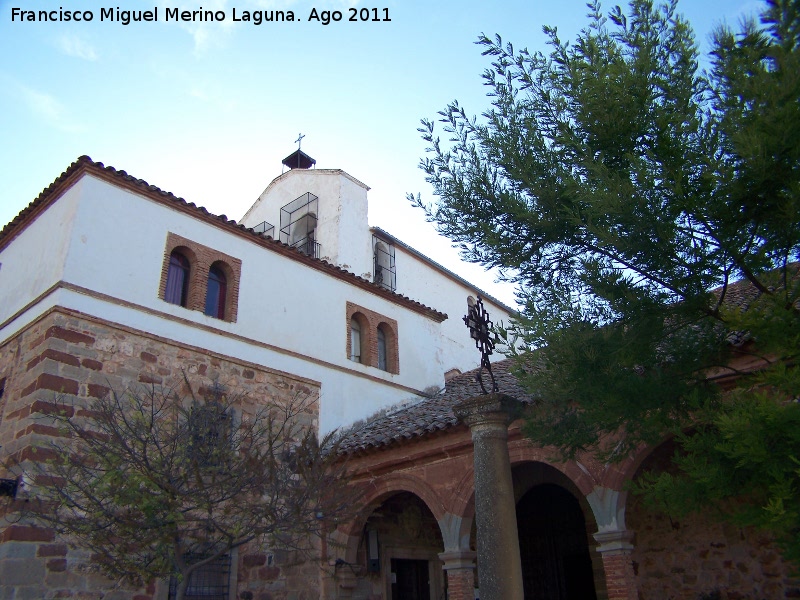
649	212
743	460
154	485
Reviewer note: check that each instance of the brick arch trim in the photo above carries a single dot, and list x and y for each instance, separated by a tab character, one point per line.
370	321
390	335
201	258
378	491
366	335
231	291
617	474
463	495
579	477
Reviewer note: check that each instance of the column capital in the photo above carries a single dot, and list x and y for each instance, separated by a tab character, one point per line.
458	559
616	541
500	409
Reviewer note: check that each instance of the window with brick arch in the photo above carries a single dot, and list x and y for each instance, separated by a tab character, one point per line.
216	292
355	340
387	347
372	339
176	291
200	278
382	354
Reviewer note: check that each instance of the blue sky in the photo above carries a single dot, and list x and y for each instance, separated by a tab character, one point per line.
208	110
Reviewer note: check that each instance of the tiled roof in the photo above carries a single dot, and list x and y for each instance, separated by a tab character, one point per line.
431	414
84	164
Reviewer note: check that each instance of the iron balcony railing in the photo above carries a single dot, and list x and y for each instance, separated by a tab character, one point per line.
307	246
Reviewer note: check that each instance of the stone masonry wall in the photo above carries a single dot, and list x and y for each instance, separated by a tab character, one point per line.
68	353
697	558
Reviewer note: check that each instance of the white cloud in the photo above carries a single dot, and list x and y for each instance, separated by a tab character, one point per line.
206	35
72	45
48	109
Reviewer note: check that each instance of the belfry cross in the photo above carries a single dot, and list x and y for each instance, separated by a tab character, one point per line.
299	140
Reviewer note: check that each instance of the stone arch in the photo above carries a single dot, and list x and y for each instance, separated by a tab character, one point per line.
617	474
529	473
378	492
463	496
536	481
401	525
576	473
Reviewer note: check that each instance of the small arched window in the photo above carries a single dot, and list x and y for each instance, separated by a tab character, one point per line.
176	291
215	293
382	354
355	341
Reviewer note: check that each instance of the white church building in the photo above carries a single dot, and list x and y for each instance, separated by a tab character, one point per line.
106	281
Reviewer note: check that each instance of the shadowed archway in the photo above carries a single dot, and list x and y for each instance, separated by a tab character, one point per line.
554	551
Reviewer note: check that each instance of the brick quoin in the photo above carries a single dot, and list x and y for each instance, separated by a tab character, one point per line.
34	454
460	584
46	381
95	390
56	355
620	579
48	408
50	550
94	365
69	335
26	533
41	407
57	565
40	429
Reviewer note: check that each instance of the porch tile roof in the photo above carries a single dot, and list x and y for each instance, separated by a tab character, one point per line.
431	414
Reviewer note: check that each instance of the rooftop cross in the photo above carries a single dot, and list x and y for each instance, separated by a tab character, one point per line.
299	140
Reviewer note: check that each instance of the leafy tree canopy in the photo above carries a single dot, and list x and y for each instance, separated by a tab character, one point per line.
648	210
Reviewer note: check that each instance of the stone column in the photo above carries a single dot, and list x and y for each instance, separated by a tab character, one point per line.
499	568
459	566
615	547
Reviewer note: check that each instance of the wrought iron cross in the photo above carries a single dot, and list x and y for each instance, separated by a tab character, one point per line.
480	330
299	140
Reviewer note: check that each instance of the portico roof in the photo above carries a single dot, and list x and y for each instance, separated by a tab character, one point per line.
430	415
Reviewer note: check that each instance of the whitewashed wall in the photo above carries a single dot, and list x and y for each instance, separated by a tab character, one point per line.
290	317
346	240
420	280
34	261
342	213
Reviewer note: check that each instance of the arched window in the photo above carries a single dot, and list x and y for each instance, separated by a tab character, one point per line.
215	293
355	340
177	288
382	355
